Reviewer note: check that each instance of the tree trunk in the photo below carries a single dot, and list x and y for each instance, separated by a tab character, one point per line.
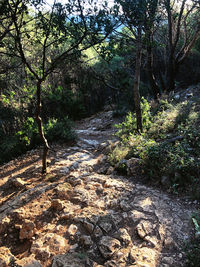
152	81
136	92
40	128
170	74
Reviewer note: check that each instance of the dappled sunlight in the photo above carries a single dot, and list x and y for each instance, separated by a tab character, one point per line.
146	202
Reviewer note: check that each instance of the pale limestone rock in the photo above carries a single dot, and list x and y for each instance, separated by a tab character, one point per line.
110	170
65	170
144	256
108	246
132	165
27	230
144	228
72	230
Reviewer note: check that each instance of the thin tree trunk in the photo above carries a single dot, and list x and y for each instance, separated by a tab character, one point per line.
40	128
162	83
136	92
170	74
152	80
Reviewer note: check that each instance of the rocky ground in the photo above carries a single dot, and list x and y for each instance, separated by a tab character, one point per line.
83	214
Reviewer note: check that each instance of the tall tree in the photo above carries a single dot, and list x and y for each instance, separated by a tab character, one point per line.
139	16
183	22
54	34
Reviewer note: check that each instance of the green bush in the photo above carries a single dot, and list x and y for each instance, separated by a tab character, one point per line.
61	102
59	130
129	126
192	248
28	137
161	152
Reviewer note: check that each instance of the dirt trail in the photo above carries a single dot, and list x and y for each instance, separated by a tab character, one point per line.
83	214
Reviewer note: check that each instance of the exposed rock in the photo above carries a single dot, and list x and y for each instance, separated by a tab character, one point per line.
74	181
144	228
80	195
19	183
68	260
33	264
72	229
88	226
97	232
63	190
110	170
27	230
28	262
144	256
86	240
49	244
106	225
123	236
132	165
5	257
168	260
57	204
124	205
108	246
4	224
65	170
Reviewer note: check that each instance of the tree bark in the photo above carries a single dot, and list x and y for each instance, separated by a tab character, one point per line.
170	74
40	128
136	92
151	77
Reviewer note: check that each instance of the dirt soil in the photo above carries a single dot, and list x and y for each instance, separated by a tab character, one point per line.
82	213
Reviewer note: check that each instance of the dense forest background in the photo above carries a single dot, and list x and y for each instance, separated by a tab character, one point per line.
66	61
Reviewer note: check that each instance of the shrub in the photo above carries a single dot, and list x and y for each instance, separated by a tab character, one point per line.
28	137
129	126
161	152
192	248
59	130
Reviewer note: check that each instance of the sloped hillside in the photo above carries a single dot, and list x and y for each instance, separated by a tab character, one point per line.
83	213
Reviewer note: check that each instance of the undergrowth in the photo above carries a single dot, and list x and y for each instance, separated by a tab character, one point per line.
169	146
28	137
192	248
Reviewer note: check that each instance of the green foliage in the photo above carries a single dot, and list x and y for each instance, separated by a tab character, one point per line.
59	130
28	137
192	248
61	102
118	154
129	127
161	152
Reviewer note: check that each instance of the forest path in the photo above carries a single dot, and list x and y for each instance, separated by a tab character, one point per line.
84	214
